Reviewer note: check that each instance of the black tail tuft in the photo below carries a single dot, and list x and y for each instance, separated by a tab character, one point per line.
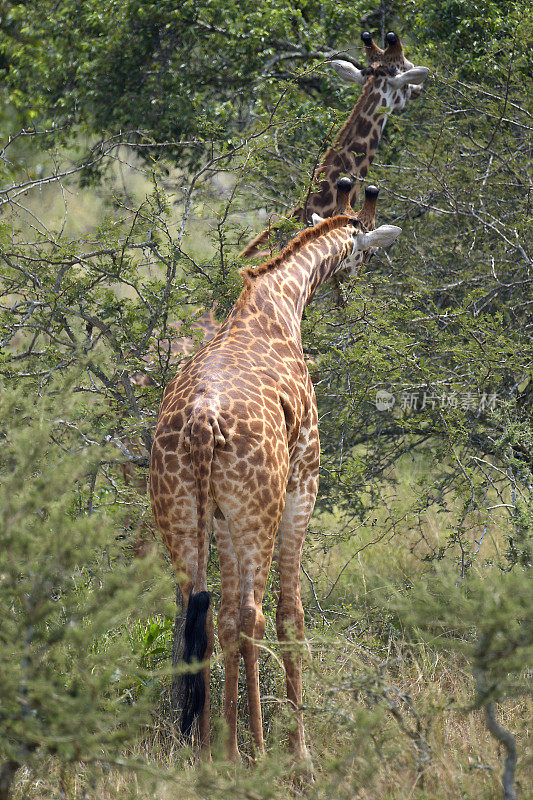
192	687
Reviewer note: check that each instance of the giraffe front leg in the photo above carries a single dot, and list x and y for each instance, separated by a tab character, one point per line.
290	616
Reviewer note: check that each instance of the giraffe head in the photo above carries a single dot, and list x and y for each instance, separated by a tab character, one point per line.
365	236
394	77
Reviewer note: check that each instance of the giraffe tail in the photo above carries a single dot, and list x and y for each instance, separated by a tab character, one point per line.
202	436
192	685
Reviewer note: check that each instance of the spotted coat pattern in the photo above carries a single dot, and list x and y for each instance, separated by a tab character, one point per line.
236	447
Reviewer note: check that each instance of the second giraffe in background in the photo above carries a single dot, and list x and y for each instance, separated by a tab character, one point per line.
389	81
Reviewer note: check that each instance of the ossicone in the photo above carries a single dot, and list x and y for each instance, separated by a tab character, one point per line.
371	192
373	52
344	185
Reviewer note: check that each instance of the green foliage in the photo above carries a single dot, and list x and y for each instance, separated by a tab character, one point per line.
163	71
486	617
152	640
67	595
476	38
224	109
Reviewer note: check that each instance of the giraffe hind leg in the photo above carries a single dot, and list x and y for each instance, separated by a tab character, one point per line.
251	629
253	542
228	628
290	616
240	625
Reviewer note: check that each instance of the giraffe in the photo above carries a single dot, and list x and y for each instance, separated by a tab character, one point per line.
389	81
236	446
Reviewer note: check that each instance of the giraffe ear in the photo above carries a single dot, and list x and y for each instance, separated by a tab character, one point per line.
316	218
381	237
416	75
348	72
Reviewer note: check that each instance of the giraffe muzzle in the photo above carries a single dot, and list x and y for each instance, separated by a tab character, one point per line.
383	236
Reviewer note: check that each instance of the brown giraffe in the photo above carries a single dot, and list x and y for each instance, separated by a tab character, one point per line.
175	350
389	81
236	446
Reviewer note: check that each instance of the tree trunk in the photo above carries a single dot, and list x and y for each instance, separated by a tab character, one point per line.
7	773
507	739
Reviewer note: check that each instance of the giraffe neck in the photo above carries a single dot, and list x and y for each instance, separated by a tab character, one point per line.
354	148
283	290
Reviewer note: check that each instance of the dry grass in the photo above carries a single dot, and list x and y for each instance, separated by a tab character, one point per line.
360	669
359	749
